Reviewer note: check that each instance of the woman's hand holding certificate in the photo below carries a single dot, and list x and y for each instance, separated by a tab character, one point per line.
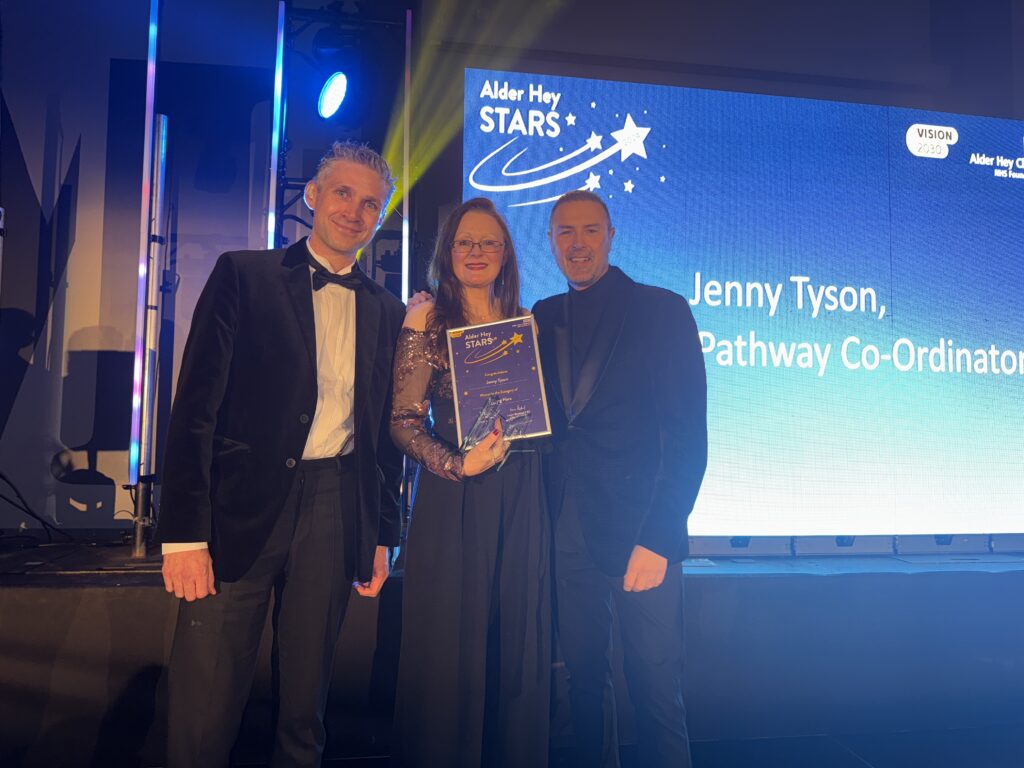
489	452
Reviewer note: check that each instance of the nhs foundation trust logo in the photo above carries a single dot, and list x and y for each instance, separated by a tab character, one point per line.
931	140
1003	167
531	139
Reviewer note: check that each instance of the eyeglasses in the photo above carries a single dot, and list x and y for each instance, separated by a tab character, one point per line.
462	247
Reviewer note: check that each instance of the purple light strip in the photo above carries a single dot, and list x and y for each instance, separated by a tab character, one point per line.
140	317
275	136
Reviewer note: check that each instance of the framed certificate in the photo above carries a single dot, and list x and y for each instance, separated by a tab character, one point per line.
497	366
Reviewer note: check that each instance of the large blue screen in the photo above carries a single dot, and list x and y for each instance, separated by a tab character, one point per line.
856	273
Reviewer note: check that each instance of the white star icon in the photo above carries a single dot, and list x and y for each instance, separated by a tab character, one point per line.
628	186
593	104
570	119
631	139
593	182
661	179
594	142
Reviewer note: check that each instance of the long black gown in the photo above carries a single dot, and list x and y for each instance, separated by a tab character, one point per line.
474	673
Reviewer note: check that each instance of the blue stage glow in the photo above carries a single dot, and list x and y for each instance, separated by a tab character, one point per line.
332	95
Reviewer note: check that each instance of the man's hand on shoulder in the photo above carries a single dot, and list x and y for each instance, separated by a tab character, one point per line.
420	297
646	570
189	574
418	311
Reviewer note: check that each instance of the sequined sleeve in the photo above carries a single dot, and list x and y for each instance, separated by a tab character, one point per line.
409	411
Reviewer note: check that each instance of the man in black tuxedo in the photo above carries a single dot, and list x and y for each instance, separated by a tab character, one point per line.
627	392
280	476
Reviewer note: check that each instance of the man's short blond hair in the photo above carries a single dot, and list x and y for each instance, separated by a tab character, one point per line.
356	153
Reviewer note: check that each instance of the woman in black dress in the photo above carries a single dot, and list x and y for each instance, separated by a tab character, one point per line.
474	673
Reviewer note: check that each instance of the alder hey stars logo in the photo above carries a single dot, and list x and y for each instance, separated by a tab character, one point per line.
594	148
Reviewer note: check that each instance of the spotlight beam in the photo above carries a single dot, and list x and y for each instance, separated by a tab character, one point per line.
434	77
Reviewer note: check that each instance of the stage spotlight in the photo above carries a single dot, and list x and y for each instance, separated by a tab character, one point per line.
332	94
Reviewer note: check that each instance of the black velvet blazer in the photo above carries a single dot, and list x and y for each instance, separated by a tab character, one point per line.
629	444
246	396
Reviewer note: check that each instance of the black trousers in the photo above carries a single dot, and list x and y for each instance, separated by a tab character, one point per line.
651	628
306	566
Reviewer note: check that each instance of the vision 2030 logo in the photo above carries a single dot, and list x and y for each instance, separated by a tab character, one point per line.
931	141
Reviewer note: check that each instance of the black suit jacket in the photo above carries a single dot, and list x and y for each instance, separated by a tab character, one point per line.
629	445
246	396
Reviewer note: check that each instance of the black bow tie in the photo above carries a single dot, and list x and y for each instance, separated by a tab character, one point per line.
322	277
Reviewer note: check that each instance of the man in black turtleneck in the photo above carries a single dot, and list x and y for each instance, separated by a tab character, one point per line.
627	395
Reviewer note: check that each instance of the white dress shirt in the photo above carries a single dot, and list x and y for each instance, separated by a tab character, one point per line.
334	316
332	429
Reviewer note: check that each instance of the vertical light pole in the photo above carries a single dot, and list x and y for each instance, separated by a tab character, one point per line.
277	132
406	170
140	446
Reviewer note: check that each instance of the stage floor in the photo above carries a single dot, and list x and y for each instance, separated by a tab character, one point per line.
96	560
823	662
102	556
